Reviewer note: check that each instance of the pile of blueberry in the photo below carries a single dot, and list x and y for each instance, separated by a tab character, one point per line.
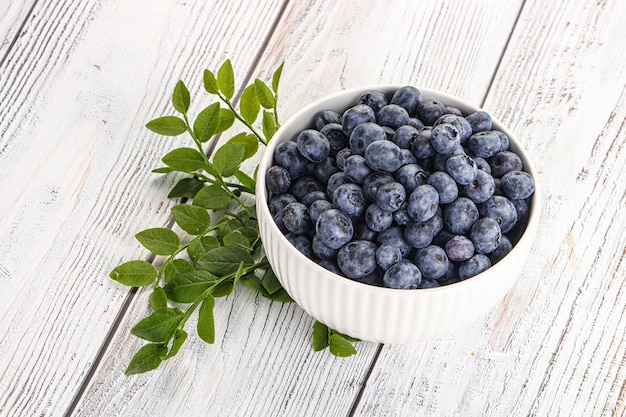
400	192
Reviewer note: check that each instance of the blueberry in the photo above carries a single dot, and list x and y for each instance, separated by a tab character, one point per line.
480	121
350	199
482	164
277	180
517	185
443	237
419	235
325	169
501	251
336	138
375	278
354	116
481	188
289	157
401	216
445	185
335	181
341	157
404	136
325	117
373	181
389	132
296	218
453	110
317	207
383	155
321	250
313	145
416	123
402	275
304	185
504	140
390	196
460	215
393	116
394	236
445	138
356	169
362	232
410	176
484	144
313	196
373	98
407	157
459	248
363	135
409	98
357	258
474	266
421	146
429	283
377	219
462	125
505	161
278	202
502	210
387	256
334	228
485	234
432	261
423	203
430	111
330	264
462	168
302	243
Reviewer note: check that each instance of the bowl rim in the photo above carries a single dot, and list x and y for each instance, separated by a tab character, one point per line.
262	194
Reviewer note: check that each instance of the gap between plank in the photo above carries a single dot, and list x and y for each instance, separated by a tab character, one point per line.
133	291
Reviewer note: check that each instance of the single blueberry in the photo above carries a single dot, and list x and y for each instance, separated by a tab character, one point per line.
432	261
485	234
445	185
501	251
453	110
462	125
390	196
421	146
377	219
313	196
363	135
403	275
460	215
357	169
409	98
302	243
482	164
505	161
504	140
393	116
317	207
279	201
430	111
407	157
373	98
304	185
335	181
462	168
296	218
336	138
518	185
325	117
474	266
484	144
445	138
411	176
383	155
404	136
480	121
277	180
321	250
354	116
419	235
481	188
459	248
502	210
334	228
423	202
387	255
325	169
350	199
313	145
341	157
357	258
373	181
394	236
289	157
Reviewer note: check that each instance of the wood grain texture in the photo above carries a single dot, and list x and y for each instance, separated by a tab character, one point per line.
555	346
13	16
262	363
76	179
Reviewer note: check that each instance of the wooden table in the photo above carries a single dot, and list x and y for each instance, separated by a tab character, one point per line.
78	82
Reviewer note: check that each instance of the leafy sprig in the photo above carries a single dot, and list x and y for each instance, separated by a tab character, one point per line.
219	245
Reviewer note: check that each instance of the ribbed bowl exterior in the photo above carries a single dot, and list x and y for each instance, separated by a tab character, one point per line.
382	314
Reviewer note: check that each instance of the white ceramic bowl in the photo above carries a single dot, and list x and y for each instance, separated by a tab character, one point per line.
382	314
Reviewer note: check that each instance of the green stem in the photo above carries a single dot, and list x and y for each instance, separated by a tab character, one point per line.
241	119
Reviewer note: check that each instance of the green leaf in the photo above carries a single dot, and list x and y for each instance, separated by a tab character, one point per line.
228	158
227	118
181	98
186	287
264	94
158	326
184	159
235	238
249	104
320	336
281	296
276	78
210	82
225	260
340	346
206	320
270	282
224	288
167	126
178	266
206	122
179	338
157	299
147	358
192	219
199	247
249	143
212	197
269	125
226	79
246	181
186	188
134	273
162	170
159	240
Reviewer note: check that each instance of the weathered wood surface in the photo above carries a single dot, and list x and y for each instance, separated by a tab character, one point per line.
81	80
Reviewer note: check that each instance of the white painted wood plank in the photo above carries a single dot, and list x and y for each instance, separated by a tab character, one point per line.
76	162
556	345
262	362
12	15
